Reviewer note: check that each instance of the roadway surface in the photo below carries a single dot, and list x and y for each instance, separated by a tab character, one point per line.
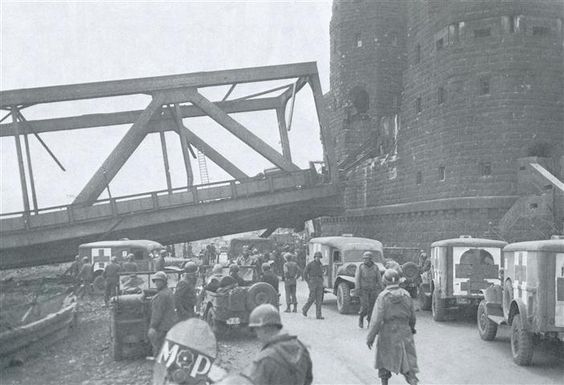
448	353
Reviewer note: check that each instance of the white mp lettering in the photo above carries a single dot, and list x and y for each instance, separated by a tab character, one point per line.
167	354
201	366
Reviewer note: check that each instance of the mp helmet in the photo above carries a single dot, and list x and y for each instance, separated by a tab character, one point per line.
265	315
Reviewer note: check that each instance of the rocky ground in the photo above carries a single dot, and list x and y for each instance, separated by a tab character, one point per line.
85	356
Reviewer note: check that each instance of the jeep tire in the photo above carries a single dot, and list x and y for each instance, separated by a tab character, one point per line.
521	342
438	307
486	327
343	298
260	293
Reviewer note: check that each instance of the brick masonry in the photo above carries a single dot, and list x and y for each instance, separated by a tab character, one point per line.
475	85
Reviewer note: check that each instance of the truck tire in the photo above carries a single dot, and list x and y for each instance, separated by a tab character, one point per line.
521	343
486	327
438	307
343	298
99	284
260	293
424	297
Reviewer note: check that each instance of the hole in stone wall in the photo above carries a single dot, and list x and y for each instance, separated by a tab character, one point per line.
360	99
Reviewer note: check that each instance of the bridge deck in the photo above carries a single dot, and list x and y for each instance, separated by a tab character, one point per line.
53	234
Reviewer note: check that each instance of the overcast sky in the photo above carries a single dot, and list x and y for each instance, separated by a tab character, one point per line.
73	42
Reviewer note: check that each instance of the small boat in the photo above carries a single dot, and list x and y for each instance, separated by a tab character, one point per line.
42	324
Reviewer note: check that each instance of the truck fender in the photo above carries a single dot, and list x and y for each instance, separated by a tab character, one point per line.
493	294
343	278
519	309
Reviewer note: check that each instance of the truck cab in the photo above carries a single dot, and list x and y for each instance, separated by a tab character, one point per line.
340	259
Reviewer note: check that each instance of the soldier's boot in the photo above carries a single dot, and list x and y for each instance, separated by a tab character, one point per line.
295	308
361	321
287	309
384	380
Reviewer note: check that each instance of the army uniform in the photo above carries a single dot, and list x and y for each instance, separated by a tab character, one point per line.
313	274
163	317
368	284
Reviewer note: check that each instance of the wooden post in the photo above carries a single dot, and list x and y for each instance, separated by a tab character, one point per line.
21	167
283	133
165	161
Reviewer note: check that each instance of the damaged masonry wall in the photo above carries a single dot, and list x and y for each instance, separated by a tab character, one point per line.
432	103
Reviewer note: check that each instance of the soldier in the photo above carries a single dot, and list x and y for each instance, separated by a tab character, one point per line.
163	315
160	265
86	276
368	284
291	273
313	274
73	271
111	276
424	262
234	273
185	292
130	266
269	277
394	323
245	257
283	359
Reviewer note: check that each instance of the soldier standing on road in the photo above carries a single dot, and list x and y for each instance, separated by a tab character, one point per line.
269	277
130	266
160	265
73	271
394	323
86	276
283	359
291	274
368	284
163	315
111	277
313	274
185	292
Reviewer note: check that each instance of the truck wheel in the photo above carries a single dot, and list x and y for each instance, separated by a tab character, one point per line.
260	293
438	307
343	298
424	298
521	343
99	284
486	327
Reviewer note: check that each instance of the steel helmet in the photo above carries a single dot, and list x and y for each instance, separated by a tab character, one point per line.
288	256
391	276
159	275
318	254
265	315
190	267
368	254
217	269
266	266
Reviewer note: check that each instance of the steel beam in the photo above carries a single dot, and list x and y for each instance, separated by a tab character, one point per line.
281	115
165	161
129	117
240	131
153	84
212	154
184	143
21	167
117	158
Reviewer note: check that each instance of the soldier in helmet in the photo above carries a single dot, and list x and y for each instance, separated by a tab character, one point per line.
283	359
313	274
269	277
394	324
234	273
86	276
291	273
111	276
368	284
130	266
215	278
163	315
185	292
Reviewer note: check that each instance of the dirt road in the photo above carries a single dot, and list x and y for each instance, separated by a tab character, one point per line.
448	353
